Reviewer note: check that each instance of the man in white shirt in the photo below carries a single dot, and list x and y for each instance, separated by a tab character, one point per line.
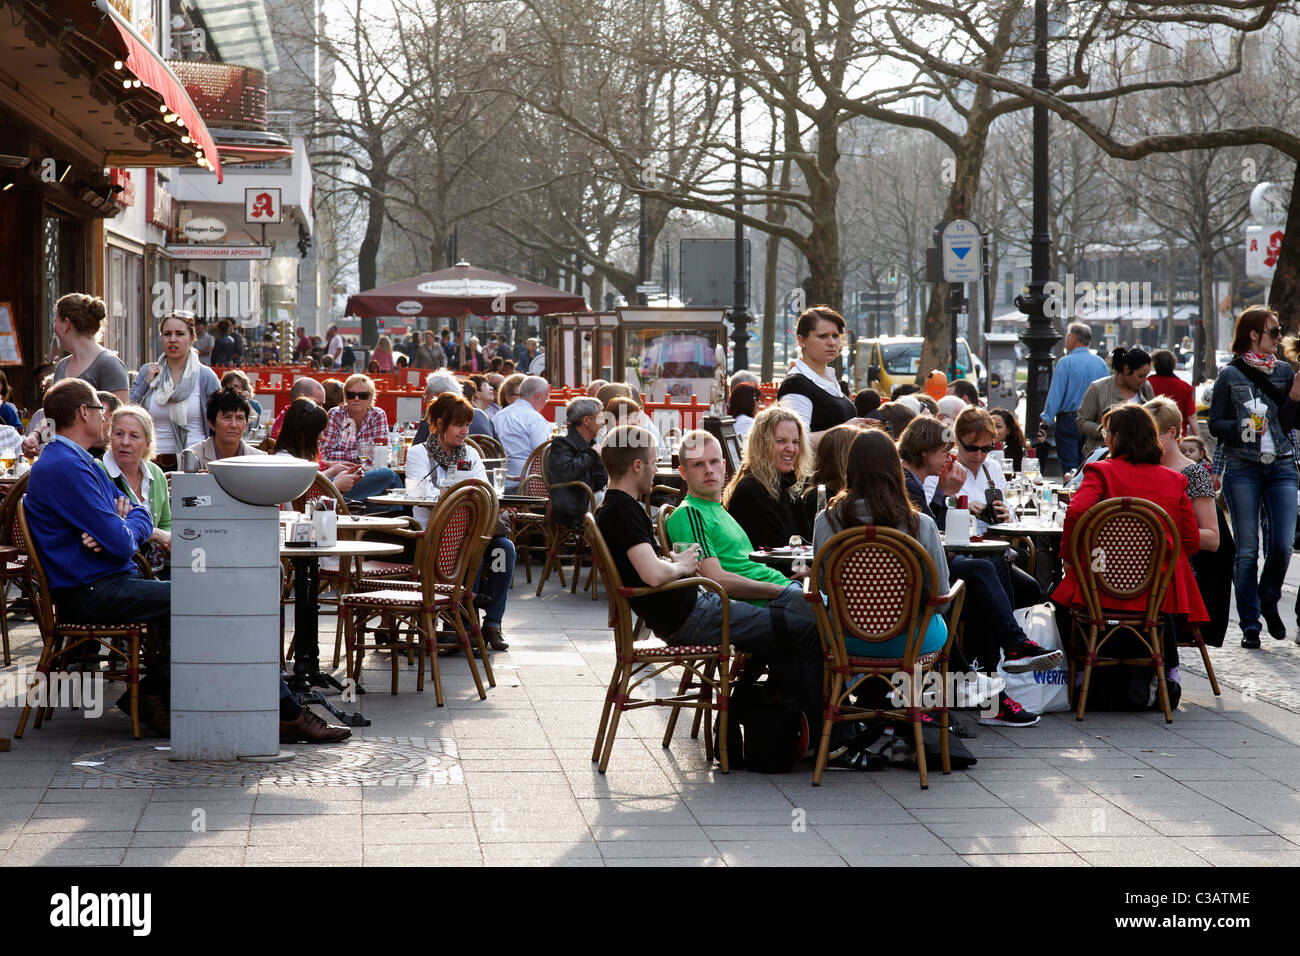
521	426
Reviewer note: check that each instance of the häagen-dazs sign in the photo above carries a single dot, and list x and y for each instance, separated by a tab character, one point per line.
204	229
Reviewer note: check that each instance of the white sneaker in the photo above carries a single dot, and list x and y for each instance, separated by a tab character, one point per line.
977	693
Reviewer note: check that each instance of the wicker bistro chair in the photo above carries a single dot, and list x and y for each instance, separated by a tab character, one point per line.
489	446
874	579
464	608
636	662
525	525
449	554
18	571
67	643
1124	548
562	537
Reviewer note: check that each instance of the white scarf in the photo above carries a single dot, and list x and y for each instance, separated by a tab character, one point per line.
177	395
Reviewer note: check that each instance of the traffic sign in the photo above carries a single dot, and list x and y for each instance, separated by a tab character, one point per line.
961	252
648	288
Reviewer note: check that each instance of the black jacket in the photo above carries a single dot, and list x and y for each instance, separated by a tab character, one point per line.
572	458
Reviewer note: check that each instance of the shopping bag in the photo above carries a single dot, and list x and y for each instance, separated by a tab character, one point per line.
1040	692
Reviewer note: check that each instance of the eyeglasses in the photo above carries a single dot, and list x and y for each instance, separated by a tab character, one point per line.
1275	331
977	449
181	314
359	396
98	408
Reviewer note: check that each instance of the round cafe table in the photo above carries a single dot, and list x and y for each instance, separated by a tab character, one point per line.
783	559
1046	541
306	606
974	547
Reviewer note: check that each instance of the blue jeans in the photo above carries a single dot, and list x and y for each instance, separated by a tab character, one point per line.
494	577
374	482
1069	443
793	658
130	599
990	624
1250	487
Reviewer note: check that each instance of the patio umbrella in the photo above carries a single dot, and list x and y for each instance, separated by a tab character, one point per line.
461	291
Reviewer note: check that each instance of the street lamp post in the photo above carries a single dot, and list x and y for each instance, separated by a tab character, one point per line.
739	315
1041	334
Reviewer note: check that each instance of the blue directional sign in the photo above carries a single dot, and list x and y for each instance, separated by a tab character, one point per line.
961	251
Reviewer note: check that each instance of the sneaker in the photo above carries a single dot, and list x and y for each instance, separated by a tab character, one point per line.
1276	628
1011	714
310	729
1250	639
977	693
1028	656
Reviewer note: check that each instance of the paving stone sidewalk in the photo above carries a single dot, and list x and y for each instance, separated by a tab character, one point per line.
509	780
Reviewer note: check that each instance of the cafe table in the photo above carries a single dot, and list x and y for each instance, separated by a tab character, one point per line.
306	608
1045	537
974	547
783	559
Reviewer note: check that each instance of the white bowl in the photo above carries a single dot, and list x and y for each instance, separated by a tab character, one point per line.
263	479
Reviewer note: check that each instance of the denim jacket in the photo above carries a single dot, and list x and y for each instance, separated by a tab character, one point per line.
1228	408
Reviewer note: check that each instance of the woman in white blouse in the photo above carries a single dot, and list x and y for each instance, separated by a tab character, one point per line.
444	460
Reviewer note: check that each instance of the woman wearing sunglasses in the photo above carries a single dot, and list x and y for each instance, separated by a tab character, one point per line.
354	427
1251	414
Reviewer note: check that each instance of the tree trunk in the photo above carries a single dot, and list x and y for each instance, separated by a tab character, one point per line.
772	254
1284	293
1209	310
1169	292
368	253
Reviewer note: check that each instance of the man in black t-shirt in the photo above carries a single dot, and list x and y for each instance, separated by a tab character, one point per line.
686	615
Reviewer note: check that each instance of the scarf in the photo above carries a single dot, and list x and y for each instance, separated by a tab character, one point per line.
1265	362
446	460
176	395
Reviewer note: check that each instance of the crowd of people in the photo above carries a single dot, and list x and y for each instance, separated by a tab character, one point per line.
815	462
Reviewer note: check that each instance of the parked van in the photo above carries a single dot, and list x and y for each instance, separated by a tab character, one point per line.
895	359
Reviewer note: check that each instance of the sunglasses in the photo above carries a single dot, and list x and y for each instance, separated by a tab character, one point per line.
1275	331
977	449
359	396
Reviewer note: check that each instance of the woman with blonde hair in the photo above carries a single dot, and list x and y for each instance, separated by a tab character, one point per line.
128	460
382	356
353	427
763	495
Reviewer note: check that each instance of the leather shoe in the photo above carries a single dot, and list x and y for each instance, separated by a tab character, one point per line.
310	729
1276	629
492	637
1250	639
156	714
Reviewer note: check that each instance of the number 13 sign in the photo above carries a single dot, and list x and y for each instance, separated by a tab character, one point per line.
262	205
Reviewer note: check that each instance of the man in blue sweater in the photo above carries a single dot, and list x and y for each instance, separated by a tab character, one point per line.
87	534
1075	371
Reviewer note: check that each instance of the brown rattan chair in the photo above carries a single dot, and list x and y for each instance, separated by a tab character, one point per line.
1121	549
67	643
562	538
639	661
17	569
450	552
489	446
526	528
875	581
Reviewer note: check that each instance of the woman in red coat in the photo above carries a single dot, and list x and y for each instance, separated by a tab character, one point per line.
1133	470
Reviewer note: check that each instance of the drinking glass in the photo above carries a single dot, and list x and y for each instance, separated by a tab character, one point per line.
499	480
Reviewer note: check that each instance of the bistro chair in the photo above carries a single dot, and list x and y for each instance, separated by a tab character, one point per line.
874	579
566	540
525	525
450	552
17	569
465	609
489	446
1124	549
68	644
706	668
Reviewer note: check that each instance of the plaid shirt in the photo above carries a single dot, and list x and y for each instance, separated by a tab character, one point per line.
339	443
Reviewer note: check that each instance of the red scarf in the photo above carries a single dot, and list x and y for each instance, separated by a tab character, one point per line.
1263	361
